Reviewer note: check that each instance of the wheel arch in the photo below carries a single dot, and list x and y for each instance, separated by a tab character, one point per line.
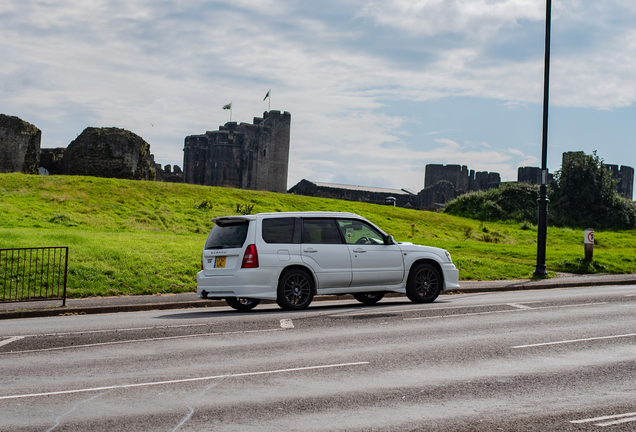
431	262
306	270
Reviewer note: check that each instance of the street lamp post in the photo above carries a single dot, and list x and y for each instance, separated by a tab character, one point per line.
542	230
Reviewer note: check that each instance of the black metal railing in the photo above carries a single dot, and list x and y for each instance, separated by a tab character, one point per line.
33	274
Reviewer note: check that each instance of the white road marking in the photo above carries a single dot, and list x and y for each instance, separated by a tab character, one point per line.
139	340
286	324
11	339
504	311
575	340
630	295
632	417
422	309
518	306
114	330
184	380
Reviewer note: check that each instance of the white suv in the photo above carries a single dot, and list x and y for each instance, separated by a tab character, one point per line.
291	257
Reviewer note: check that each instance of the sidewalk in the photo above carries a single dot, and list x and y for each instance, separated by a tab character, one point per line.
97	305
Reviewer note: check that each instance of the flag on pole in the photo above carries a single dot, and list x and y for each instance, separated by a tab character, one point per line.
228	106
267	95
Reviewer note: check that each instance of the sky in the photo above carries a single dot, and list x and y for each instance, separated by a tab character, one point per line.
377	89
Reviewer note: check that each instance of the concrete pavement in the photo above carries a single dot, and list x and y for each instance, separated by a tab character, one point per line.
96	305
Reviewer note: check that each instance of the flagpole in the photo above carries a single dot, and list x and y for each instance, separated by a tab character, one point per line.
230	112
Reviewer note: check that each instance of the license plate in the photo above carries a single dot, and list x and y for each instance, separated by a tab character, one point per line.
219	262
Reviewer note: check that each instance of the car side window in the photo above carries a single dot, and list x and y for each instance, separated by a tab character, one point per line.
358	232
320	231
278	230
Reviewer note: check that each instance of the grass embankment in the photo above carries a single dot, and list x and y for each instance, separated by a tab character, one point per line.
136	237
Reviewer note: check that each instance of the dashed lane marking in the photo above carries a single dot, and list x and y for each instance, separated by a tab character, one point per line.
504	311
139	340
207	378
576	340
417	309
286	324
614	419
518	305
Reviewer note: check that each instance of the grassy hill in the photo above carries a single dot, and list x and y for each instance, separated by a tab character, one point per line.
137	237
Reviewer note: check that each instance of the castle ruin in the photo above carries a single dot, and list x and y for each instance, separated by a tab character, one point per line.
19	146
245	156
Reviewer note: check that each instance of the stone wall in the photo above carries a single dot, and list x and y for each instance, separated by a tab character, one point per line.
102	152
435	196
625	176
246	156
460	177
531	175
168	174
19	146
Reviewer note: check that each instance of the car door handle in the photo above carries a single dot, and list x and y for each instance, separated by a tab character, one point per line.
310	250
359	250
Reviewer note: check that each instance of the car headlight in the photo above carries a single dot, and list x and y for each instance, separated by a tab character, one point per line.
448	256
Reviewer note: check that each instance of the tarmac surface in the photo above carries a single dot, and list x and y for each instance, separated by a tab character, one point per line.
97	305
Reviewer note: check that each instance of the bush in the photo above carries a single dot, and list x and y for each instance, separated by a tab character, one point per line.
510	201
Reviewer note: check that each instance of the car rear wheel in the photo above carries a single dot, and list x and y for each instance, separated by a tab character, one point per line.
295	290
242	303
424	284
369	298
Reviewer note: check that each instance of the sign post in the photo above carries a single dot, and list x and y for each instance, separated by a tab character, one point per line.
588	240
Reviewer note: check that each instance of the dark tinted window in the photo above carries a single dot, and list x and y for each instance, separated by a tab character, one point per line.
278	230
227	235
320	231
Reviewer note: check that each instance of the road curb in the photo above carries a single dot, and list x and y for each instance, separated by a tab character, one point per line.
199	304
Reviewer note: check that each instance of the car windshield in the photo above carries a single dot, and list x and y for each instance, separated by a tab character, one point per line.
227	235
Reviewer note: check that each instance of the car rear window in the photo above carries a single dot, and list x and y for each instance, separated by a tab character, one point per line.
227	235
278	230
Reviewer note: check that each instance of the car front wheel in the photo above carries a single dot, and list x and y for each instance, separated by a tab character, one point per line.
242	303
424	284
295	290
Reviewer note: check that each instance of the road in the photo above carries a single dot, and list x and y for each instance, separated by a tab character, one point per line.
557	360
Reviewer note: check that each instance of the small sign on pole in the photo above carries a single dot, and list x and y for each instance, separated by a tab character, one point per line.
588	241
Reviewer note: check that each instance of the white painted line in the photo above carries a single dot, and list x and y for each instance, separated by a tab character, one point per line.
416	309
630	295
615	422
207	378
504	311
576	340
115	330
518	306
139	340
12	339
286	324
590	420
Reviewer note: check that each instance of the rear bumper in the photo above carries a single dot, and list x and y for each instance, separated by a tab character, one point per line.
260	283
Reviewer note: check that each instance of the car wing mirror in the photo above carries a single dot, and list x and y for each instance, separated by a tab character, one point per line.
389	240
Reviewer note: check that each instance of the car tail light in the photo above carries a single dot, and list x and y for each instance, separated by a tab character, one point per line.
250	259
201	262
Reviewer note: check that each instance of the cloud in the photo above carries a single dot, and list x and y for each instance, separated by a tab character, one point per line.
340	68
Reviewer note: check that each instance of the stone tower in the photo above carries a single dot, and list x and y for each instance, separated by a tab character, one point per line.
245	156
19	146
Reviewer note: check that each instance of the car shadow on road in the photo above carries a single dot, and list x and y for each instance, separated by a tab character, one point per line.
273	309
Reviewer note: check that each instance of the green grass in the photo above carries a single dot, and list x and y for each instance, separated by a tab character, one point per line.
137	237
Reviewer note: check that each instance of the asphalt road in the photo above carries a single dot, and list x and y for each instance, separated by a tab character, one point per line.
548	360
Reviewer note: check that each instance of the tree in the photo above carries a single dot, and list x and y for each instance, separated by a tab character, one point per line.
583	195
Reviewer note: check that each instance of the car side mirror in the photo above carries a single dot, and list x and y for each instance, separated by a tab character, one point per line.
388	240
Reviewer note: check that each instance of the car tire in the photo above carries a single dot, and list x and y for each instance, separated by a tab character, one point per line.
295	290
424	283
369	298
242	303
